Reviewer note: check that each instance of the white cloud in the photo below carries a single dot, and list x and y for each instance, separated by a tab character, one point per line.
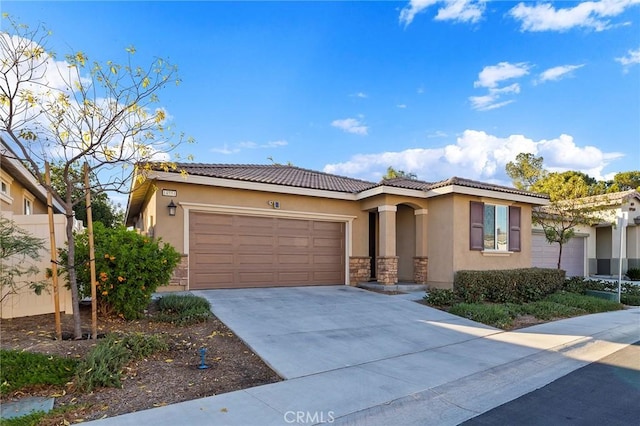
451	10
461	11
275	144
351	125
244	145
361	95
558	73
491	75
477	155
632	58
588	14
225	149
437	134
401	106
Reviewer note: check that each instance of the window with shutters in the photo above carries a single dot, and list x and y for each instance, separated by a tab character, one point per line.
494	227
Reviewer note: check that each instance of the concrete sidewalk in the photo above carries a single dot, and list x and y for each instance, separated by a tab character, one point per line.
397	362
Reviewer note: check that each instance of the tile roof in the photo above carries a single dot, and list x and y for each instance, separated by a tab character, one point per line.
483	185
278	175
286	175
401	182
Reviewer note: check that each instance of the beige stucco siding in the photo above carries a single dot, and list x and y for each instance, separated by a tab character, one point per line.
17	193
406	242
465	259
440	241
26	302
202	198
448	240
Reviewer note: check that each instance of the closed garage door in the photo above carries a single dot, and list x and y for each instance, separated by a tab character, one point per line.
235	251
545	255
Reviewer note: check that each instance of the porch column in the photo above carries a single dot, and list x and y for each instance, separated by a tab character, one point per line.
421	261
387	261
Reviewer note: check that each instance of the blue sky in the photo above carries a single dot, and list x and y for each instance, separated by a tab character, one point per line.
436	88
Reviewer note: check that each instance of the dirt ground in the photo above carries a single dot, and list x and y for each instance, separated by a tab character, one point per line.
164	378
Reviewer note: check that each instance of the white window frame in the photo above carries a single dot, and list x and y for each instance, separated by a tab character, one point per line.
27	199
6	194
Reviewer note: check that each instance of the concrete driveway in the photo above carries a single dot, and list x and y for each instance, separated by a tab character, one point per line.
302	331
354	357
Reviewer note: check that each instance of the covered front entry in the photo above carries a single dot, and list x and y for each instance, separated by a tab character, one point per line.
237	251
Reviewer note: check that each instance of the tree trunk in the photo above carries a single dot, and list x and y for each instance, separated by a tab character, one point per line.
559	255
71	272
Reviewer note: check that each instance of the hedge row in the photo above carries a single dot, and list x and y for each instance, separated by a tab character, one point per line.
507	286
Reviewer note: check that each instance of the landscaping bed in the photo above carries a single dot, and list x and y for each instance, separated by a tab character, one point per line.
163	378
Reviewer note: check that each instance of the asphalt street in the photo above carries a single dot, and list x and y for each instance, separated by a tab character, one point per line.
604	392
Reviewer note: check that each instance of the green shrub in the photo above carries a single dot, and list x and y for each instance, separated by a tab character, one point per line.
633	274
440	297
629	292
102	367
576	285
511	285
142	345
630	299
129	268
183	309
590	304
499	316
20	369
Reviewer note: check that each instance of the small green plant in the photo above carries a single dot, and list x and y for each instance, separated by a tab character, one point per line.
633	274
129	268
102	367
498	316
183	309
31	419
143	345
21	369
589	304
440	297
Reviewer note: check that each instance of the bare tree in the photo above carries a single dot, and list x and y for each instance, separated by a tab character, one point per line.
74	111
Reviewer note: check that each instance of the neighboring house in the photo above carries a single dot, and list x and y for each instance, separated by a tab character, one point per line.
24	201
273	225
596	248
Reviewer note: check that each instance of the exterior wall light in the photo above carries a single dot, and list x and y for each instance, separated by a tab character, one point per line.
172	208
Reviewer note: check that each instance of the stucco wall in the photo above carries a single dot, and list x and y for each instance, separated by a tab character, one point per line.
465	259
448	236
26	302
17	192
172	229
406	242
440	245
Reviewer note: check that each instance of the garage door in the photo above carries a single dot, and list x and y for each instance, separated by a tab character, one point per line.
235	251
545	255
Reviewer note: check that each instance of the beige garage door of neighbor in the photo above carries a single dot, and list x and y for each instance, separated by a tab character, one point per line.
235	251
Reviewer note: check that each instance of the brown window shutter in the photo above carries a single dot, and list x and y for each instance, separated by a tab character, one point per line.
476	230
514	228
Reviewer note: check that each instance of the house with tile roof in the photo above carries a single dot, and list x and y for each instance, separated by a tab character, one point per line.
602	248
279	225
